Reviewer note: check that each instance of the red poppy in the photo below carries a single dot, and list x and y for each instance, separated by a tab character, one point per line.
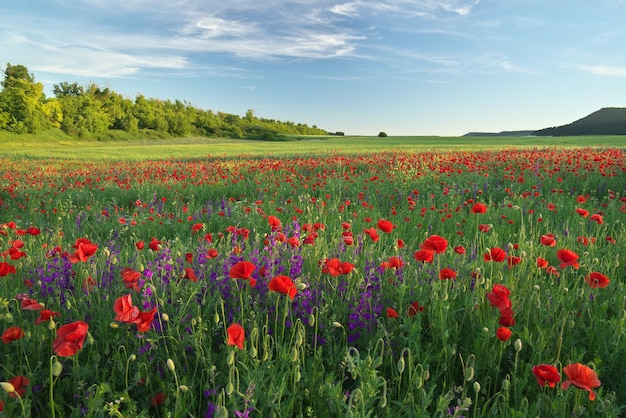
582	377
144	320
84	250
546	374
499	297
496	254
597	218
19	384
548	240
236	335
459	249
479	208
190	274
131	278
125	310
243	270
503	333
284	285
212	253
414	308
158	399
140	245
582	212
542	263
154	244
372	233
506	317
385	225
196	227
70	338
484	227
435	243
392	263
567	258
392	313
45	315
11	334
29	304
447	273
425	256
6	269
597	280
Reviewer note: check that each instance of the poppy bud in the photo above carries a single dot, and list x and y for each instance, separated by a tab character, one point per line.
8	387
56	368
401	365
165	317
476	387
517	344
170	364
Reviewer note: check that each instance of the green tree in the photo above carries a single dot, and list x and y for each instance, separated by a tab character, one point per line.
22	101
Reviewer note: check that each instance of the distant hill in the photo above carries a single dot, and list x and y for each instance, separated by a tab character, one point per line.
606	121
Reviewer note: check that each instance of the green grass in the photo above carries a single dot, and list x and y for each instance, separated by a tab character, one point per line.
54	144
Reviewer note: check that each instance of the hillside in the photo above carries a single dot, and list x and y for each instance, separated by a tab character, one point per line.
606	121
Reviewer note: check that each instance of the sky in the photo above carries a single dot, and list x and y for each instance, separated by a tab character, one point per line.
403	67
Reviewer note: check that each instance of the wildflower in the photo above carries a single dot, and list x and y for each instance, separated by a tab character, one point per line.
435	243
385	225
447	273
548	240
124	309
597	280
84	250
496	254
484	227
158	399
542	263
499	297
425	256
392	313
582	377
236	335
567	258
140	245
372	233
582	212
6	269
45	315
190	274
131	278
392	263
459	249
243	270
144	320
597	218
154	244
503	333
414	308
19	384
546	374
506	317
29	304
284	285
11	334
479	208
70	338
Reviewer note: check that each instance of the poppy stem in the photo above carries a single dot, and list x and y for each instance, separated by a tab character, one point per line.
560	340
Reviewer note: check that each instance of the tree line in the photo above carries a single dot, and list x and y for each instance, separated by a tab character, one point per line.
93	111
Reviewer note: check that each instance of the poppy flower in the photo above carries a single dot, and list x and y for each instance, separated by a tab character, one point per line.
447	273
84	250
567	258
546	374
190	274
548	240
597	280
597	218
11	334
414	308
582	377
503	333
140	245
144	320
425	256
385	225
6	269
124	309
506	317
154	244
212	253
496	254
392	313
158	399
196	227
131	278
236	335
284	285
435	243
70	338
459	249
582	212
372	233
392	263
479	208
29	304
19	384
484	227
542	263
499	297
243	270
45	315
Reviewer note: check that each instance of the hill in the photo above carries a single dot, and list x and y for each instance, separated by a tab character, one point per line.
606	121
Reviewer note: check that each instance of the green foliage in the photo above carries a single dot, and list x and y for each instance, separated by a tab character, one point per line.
91	111
382	135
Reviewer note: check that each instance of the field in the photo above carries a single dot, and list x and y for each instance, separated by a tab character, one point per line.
400	277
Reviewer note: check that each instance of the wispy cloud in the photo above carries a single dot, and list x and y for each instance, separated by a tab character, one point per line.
605	70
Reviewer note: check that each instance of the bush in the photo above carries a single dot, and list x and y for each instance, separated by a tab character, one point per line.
382	135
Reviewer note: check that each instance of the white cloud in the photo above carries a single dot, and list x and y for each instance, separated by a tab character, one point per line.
605	70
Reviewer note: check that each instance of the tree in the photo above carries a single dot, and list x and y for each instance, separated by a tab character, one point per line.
21	101
382	134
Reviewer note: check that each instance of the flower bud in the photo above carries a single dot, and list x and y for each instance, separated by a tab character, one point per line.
165	317
56	368
170	364
476	387
517	344
8	387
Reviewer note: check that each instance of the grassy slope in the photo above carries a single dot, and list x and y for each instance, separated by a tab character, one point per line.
67	148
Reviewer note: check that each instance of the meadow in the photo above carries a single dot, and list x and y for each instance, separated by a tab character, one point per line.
400	277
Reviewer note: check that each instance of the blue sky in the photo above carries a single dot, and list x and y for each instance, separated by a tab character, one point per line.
406	67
